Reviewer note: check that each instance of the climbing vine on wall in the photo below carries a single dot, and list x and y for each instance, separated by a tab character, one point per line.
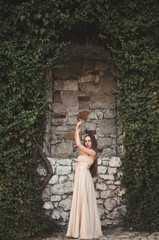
32	34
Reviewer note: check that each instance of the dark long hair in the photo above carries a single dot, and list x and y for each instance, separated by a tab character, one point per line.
94	168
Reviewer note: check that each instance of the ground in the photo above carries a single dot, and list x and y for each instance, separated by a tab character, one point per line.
109	234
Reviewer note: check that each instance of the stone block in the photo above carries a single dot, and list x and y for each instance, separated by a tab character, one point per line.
48	205
90	126
103	142
108	84
109	152
63	179
84	115
69	99
58	108
106	194
115	162
109	204
101	186
102	169
63	188
52	161
101	101
90	87
99	114
54	179
72	120
84	98
111	170
69	136
64	162
62	170
107	176
63	149
55	198
110	113
107	126
59	115
92	116
86	78
61	73
46	195
66	85
66	204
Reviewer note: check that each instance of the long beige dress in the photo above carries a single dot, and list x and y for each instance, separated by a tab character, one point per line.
84	219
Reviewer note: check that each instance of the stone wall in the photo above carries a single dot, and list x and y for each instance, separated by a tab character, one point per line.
83	88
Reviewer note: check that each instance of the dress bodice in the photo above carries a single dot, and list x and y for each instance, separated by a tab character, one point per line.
86	160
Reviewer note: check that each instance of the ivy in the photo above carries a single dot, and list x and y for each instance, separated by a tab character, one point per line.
32	35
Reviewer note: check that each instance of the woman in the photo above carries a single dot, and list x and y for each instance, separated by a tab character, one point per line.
84	219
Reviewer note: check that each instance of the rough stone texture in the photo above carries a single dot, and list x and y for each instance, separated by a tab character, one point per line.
83	89
57	195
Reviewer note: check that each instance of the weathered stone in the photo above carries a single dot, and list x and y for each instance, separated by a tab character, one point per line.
90	126
48	205
99	115
97	79
101	209
69	99
64	162
72	113
63	179
55	214
64	188
110	113
41	170
62	170
65	216
90	87
112	187
106	194
46	195
86	78
115	162
66	85
66	204
62	73
107	126
119	192
92	116
72	120
53	180
64	149
101	102
101	186
102	142
58	108
52	160
102	169
109	152
109	203
55	198
69	136
111	170
107	177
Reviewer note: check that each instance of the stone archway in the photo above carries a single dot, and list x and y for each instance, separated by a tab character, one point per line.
83	88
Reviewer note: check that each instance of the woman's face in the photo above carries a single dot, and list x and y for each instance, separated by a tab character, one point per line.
87	142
